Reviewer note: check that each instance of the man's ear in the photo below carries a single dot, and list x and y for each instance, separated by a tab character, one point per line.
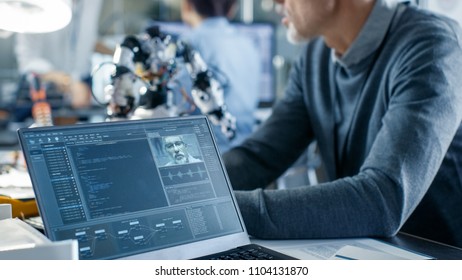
186	10
186	6
232	11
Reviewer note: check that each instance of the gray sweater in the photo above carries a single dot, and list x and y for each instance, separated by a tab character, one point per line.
387	119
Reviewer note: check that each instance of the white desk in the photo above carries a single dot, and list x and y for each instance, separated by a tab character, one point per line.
20	241
401	246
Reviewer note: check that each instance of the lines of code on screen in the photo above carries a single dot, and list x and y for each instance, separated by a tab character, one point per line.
112	179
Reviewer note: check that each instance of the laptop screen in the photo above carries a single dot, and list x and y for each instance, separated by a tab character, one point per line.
124	188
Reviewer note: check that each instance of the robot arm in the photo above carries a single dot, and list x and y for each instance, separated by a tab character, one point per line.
121	92
154	58
207	92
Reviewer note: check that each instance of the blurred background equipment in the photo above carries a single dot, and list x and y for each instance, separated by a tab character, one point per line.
41	109
62	59
26	16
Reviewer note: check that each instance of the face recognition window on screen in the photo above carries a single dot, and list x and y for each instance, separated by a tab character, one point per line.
263	35
122	189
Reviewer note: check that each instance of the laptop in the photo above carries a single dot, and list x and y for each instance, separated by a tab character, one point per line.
140	189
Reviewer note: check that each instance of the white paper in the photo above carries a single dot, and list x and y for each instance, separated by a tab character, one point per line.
349	252
15	178
16	184
353	248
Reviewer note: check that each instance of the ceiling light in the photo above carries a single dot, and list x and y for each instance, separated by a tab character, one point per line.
34	16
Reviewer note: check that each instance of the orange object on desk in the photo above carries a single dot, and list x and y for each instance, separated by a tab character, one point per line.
21	208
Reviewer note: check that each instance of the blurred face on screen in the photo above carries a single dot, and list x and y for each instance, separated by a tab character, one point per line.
176	149
305	19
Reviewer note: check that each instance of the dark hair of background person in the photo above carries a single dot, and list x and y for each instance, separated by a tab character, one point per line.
213	8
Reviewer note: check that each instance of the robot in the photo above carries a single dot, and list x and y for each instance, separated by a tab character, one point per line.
145	82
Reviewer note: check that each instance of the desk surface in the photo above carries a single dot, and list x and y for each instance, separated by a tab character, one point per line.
435	249
411	243
412	247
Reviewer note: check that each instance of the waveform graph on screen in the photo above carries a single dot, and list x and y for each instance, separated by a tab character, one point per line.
186	183
185	173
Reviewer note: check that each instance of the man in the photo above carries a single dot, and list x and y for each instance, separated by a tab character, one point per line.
177	150
231	55
378	87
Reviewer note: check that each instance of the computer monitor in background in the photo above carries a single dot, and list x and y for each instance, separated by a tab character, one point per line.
263	35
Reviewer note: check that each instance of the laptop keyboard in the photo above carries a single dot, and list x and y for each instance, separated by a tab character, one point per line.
248	252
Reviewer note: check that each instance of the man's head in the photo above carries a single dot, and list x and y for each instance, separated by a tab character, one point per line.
176	149
193	11
306	19
338	21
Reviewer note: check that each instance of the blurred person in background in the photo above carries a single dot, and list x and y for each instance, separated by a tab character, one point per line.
230	54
